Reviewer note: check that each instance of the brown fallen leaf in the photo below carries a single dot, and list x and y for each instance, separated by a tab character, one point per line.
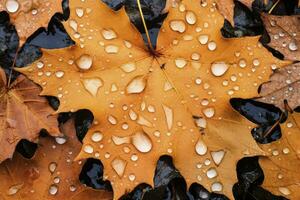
284	33
284	85
50	174
30	15
281	170
23	113
143	101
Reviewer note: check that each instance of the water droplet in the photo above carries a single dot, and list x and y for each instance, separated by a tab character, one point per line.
12	6
59	74
169	116
195	56
142	142
40	65
136	85
72	188
242	63
190	17
201	147
14	189
118	164
167	86
120	140
56	180
112	119
285	191
177	26
180	63
256	62
111	49
53	189
134	157
97	136
209	112
212	46
211	173
60	140
131	177
92	85
217	156
286	150
133	116
109	34
88	149
289	125
293	46
52	167
203	39
84	62
216	187
79	12
200	122
128	67
219	69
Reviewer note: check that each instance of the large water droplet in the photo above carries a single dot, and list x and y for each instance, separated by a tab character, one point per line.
118	164
92	85
84	62
218	69
136	85
201	147
177	26
142	142
169	116
12	6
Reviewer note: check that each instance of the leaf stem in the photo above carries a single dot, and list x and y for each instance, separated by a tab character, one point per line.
144	24
272	8
11	69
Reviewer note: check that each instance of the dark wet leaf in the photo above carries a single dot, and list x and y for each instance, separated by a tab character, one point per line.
198	192
83	121
265	134
92	175
246	23
26	148
289	7
138	192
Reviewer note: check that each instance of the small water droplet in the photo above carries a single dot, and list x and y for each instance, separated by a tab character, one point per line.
169	116
88	149
180	63
131	177
216	187
40	65
12	6
92	85
190	17
219	69
211	173
136	85
109	34
209	112
285	191
201	147
53	189
212	46
134	157
61	140
52	167
195	56
59	74
84	62
128	67
97	136
203	39
118	164
242	63
72	188
79	12
111	49
293	46
14	189
217	156
256	62
177	26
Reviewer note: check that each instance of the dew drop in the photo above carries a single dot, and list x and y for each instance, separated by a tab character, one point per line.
111	49
219	69
79	12
180	63
88	149
256	62
212	46
84	62
119	166
201	147
92	85
285	191
52	167
136	85
61	140
209	112
109	34
169	116
12	6
203	39
97	136
128	67
200	122
217	156
59	74
190	17
242	63
211	173
142	142
131	177
53	189
14	189
293	46
177	26
216	187
134	157
112	119
195	56
40	65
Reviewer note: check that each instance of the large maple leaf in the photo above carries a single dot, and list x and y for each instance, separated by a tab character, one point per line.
143	100
23	113
30	15
50	174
